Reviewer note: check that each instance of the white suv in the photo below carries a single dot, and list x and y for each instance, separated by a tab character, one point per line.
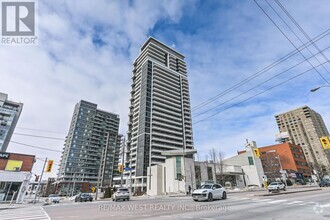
209	192
276	186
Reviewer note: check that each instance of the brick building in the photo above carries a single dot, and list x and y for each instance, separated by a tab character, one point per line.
284	158
15	174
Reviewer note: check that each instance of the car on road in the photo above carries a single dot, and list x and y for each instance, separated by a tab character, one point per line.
121	193
53	198
276	187
83	197
208	192
324	183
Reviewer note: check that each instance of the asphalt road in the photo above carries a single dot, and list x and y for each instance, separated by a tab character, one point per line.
305	205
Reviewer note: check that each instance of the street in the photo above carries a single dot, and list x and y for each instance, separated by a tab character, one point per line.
304	205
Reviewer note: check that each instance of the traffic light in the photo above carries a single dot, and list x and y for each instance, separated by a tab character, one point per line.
49	166
325	142
120	168
256	152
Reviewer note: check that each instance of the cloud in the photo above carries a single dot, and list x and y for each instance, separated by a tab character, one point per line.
86	51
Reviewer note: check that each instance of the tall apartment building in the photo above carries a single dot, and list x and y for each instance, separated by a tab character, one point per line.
160	116
91	146
305	128
9	114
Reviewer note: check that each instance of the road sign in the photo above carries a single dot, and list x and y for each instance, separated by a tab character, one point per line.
127	169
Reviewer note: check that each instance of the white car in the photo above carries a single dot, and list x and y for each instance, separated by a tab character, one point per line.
121	193
209	192
276	186
53	198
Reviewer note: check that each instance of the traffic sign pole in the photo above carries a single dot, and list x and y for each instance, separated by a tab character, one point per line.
42	173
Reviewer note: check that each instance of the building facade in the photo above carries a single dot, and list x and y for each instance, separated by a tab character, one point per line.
284	160
15	175
250	163
91	148
305	128
9	115
160	115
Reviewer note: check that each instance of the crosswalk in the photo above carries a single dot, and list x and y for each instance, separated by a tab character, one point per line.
30	213
276	201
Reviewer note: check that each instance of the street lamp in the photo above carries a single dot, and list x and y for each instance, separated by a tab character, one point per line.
317	88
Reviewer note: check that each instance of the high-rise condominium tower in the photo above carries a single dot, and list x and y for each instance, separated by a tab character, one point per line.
92	145
160	116
305	128
9	114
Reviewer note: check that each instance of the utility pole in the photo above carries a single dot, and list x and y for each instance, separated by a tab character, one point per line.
74	184
123	162
99	175
42	173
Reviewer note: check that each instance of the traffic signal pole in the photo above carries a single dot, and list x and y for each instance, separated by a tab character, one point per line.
42	173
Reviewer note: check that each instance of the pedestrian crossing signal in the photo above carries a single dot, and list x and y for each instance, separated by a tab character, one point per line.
325	142
49	166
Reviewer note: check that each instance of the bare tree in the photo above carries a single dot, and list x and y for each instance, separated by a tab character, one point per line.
320	169
220	163
213	156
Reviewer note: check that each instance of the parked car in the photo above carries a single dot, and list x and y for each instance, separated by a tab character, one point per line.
324	183
52	198
209	192
83	197
276	187
121	193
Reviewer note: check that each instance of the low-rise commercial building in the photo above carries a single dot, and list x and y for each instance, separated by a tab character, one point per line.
15	175
284	160
250	164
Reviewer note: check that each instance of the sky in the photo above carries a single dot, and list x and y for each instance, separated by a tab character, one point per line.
86	49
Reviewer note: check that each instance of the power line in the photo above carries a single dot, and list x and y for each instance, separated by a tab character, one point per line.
32	129
251	97
300	28
38	136
260	72
295	34
255	86
42	148
291	41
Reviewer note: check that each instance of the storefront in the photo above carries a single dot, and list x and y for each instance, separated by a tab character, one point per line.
13	185
15	175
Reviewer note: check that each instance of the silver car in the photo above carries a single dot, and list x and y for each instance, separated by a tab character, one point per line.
209	192
121	193
53	198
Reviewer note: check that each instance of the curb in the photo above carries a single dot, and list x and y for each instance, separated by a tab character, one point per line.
284	193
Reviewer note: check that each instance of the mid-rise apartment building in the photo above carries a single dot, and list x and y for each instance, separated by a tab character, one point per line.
160	115
305	128
91	147
9	115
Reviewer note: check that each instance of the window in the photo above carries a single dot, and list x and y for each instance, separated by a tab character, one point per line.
209	173
178	168
250	161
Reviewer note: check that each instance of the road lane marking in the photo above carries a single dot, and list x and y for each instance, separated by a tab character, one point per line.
277	201
294	202
263	200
